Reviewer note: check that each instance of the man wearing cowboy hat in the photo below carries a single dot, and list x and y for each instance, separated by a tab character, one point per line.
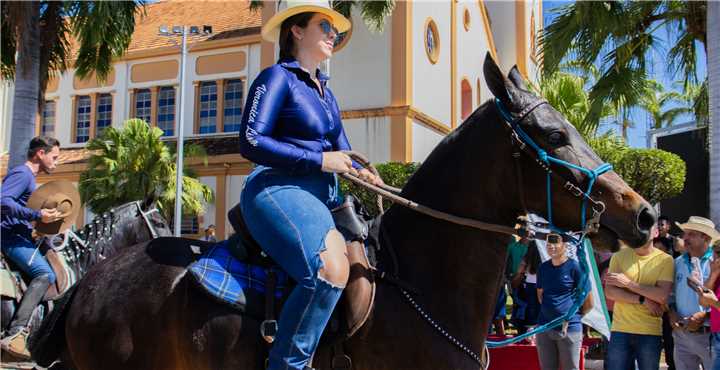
690	321
17	242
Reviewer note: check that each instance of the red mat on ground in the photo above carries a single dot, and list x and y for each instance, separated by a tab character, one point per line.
520	356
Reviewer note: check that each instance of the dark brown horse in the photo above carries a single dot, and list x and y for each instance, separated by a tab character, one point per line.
142	312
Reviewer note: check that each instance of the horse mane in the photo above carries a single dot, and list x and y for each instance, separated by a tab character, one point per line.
97	236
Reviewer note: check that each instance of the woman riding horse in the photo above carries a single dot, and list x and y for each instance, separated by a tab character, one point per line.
291	128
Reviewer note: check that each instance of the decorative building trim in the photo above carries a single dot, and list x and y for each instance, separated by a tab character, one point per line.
221	63
430	25
92	82
267	49
466	19
401	86
521	38
220	206
154	71
453	65
488	29
202	46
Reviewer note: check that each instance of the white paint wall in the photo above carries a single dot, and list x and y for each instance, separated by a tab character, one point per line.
370	136
431	82
360	72
502	20
209	215
424	141
472	46
234	187
7	92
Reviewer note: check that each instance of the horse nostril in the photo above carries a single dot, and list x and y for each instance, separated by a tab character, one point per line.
646	218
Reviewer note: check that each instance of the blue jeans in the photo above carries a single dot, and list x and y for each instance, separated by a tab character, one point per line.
625	348
21	250
289	216
715	344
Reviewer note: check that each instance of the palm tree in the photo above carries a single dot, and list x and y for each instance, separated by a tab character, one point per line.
373	12
656	100
620	35
566	92
39	33
132	163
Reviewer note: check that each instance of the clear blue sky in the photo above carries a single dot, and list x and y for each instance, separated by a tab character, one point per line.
637	136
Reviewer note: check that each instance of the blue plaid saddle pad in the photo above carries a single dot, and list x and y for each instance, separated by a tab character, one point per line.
227	279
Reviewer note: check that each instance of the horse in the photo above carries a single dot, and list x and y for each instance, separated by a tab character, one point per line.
123	226
143	312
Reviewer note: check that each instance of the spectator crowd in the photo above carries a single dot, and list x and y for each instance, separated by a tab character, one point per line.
661	297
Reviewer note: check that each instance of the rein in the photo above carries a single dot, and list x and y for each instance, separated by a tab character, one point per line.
523	142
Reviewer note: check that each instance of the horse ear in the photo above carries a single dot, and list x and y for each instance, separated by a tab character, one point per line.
517	79
496	81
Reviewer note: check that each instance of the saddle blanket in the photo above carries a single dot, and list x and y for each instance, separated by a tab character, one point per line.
227	279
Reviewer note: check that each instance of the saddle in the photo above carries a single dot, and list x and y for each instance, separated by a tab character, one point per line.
12	282
238	273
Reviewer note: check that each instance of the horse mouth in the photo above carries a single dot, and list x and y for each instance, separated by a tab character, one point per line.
605	239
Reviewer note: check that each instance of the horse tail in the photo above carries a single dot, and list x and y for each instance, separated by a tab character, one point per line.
48	341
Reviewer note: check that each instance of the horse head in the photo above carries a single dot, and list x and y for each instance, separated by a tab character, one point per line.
627	216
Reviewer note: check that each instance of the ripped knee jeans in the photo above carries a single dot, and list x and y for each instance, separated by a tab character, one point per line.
289	216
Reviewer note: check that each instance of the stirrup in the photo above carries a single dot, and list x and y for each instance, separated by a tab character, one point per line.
268	330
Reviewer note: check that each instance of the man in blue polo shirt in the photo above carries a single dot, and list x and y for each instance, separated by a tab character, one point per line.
17	242
691	321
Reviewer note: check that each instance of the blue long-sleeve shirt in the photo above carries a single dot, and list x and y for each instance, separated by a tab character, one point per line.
15	216
288	123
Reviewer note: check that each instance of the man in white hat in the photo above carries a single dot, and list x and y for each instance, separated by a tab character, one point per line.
690	320
17	241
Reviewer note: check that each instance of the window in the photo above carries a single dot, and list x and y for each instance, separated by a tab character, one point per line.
82	119
166	110
103	116
466	19
143	105
233	105
47	123
189	224
465	99
208	107
432	41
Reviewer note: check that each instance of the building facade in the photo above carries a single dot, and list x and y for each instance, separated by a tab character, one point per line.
400	90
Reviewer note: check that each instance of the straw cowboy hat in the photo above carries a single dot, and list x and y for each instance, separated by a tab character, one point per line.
288	8
63	196
700	224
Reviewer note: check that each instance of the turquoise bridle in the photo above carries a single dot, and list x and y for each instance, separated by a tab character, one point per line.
546	160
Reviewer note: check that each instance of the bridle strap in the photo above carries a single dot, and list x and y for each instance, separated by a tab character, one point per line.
153	231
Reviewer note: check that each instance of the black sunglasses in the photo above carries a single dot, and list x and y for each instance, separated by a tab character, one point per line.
327	27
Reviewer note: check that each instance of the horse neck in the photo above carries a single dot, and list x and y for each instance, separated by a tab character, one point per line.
458	268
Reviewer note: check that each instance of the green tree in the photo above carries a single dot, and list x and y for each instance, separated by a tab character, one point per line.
621	35
372	12
39	32
393	173
665	107
565	91
132	163
655	174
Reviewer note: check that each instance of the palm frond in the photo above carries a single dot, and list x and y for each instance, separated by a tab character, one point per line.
374	13
101	40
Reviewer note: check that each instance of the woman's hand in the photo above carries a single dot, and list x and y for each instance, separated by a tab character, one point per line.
337	162
368	176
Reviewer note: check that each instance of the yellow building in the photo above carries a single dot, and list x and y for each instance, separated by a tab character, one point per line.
400	91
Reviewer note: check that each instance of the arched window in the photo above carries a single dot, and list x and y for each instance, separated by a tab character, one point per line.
465	99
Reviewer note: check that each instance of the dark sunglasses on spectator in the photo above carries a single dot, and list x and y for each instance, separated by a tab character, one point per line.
553	238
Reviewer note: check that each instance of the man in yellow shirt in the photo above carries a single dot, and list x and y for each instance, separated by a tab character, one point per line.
639	281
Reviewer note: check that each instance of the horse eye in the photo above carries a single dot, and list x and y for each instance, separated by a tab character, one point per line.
556	138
